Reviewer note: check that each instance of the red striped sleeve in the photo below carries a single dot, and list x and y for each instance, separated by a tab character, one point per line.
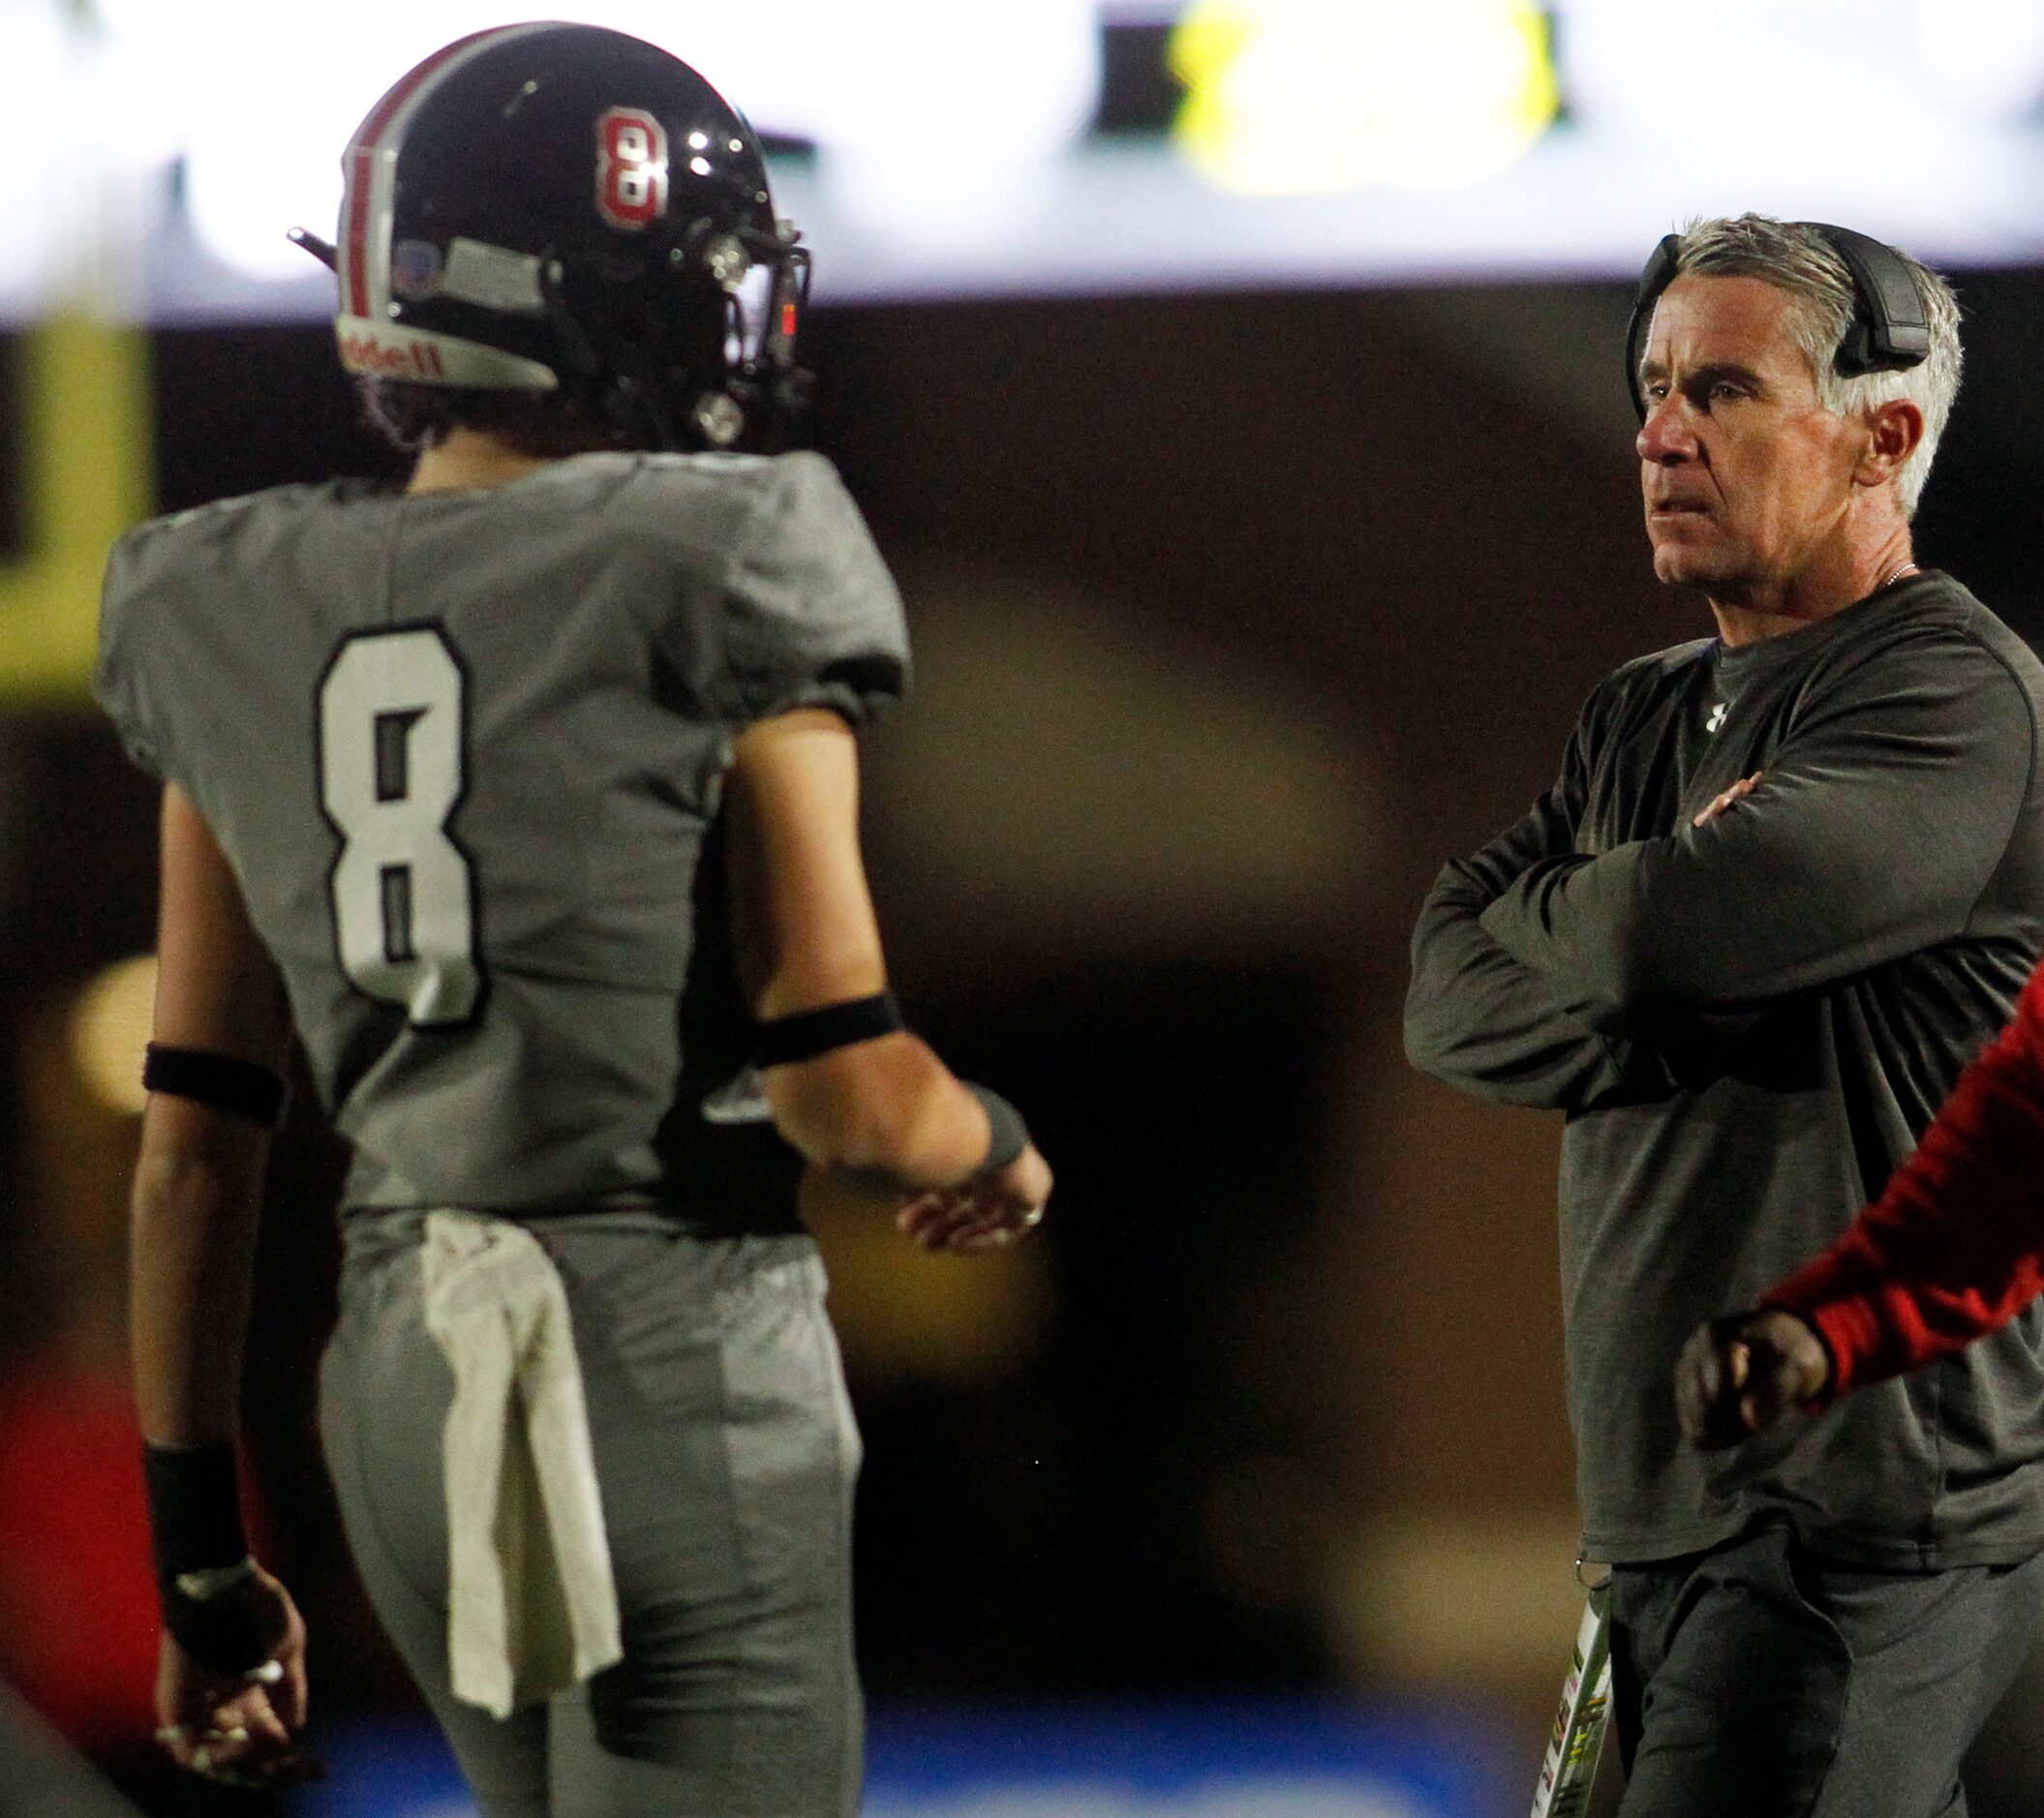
1954	1247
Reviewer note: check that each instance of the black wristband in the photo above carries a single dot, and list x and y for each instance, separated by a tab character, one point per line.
195	1508
195	1528
809	1033
1007	1135
244	1088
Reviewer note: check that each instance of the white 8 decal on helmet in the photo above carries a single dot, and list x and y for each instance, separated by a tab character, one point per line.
631	167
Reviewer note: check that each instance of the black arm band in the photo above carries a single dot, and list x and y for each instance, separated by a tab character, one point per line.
195	1507
195	1529
218	1081
809	1033
1007	1135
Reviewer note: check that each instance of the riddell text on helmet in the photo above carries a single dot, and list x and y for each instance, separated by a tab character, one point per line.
391	360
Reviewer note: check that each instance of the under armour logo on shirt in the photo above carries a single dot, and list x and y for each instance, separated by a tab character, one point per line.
1716	716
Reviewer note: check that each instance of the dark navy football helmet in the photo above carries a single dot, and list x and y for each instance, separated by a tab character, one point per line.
548	206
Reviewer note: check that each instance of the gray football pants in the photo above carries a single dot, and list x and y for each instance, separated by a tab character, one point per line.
725	1453
1762	1679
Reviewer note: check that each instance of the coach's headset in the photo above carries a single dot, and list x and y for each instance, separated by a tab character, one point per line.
1890	331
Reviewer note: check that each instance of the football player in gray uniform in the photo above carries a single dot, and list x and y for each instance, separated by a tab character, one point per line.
526	797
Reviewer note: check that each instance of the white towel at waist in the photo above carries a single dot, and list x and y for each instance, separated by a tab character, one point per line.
532	1606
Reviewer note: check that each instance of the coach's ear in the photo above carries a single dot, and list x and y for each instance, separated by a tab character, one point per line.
1893	432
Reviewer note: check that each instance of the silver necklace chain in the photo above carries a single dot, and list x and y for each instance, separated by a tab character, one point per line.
1894	574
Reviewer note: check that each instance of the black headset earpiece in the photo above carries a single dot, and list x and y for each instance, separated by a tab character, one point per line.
1891	327
1659	273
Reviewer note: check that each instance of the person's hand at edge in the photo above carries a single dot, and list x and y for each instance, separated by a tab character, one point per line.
1739	1374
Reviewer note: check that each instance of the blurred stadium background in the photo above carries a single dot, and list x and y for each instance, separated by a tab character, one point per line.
1236	388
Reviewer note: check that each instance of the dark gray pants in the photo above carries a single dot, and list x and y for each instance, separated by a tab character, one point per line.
725	1454
1760	1680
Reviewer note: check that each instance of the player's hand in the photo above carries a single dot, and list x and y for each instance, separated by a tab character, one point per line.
1741	1373
1723	799
240	1729
988	1213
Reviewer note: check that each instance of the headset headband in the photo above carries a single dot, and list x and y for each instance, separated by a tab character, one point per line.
1890	330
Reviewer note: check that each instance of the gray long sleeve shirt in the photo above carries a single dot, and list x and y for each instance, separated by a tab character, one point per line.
1748	1024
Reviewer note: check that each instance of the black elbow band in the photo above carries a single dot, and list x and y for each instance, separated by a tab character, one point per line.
809	1033
195	1534
220	1081
1007	1135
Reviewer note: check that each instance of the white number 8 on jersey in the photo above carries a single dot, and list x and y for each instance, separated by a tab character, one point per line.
391	775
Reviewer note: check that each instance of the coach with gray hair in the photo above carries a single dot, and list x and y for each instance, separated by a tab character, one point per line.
1789	880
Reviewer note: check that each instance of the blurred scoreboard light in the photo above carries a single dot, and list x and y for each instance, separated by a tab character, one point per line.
933	148
1297	97
1983	58
1234	1759
262	104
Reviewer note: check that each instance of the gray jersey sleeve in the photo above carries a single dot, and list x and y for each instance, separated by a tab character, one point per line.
119	682
810	615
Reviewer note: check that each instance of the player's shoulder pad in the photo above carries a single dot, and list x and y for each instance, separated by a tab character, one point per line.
145	551
164	546
807	538
805	499
170	568
770	490
142	568
706	507
807	601
146	581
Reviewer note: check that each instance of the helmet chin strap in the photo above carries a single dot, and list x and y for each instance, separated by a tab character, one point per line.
638	411
638	401
773	404
625	398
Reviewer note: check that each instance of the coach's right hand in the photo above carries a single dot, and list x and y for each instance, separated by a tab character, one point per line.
1741	1373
